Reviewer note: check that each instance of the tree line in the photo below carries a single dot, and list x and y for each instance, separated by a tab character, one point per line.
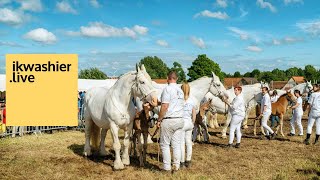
203	66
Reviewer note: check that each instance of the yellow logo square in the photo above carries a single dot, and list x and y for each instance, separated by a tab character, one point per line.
41	89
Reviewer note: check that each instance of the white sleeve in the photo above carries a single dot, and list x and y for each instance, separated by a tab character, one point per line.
165	97
311	99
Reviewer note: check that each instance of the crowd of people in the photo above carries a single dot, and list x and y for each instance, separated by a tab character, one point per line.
177	116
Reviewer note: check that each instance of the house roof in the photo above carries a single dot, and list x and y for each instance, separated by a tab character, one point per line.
160	81
277	84
250	80
298	79
228	82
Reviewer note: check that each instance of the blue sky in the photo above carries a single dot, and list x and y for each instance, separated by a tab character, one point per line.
240	35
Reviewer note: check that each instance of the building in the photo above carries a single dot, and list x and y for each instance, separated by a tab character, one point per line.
160	81
286	85
232	82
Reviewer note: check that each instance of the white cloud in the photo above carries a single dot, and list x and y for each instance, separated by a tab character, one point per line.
207	13
11	17
101	30
31	5
198	42
11	44
254	49
286	40
276	42
140	29
242	34
243	13
311	27
162	43
65	7
286	2
263	4
94	3
41	35
222	3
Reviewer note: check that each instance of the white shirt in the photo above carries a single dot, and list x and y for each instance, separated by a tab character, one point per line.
237	107
266	102
314	102
187	110
274	98
173	95
298	109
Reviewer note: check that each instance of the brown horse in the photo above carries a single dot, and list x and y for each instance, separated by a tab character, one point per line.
141	127
200	122
279	108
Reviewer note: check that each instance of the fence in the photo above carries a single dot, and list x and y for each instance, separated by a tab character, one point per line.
20	130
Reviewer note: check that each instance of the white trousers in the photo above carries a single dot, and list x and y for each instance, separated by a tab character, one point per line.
296	118
171	131
264	123
311	121
186	140
235	125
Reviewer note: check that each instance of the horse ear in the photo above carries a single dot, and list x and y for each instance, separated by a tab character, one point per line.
137	68
143	68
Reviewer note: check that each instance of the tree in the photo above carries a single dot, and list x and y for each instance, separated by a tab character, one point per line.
237	74
266	76
247	74
310	72
92	73
279	75
255	73
180	72
203	66
155	67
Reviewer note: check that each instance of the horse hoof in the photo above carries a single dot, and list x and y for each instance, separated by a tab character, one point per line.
118	166
103	153
87	153
126	161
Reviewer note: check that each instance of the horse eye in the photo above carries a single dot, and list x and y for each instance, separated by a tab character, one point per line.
142	82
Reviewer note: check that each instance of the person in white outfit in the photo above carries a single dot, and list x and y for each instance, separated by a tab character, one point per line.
237	109
266	112
170	122
314	114
189	117
297	114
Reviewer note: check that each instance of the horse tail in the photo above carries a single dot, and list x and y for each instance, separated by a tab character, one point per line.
95	136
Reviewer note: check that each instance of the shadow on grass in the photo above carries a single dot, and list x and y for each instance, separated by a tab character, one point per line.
309	171
109	158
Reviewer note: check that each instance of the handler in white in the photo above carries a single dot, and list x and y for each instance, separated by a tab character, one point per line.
189	117
314	114
297	114
266	112
237	109
170	119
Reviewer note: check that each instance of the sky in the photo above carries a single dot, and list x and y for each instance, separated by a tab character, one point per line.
113	35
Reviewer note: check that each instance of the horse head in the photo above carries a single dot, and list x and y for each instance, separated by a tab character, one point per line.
290	96
144	89
216	87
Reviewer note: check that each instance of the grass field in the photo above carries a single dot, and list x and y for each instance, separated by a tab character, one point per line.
59	156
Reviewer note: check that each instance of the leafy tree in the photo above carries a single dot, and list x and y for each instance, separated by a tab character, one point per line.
180	72
247	74
266	76
203	66
237	74
279	75
310	72
255	73
92	73
294	71
155	67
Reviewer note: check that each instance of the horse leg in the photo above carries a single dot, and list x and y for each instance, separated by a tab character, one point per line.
210	122
88	129
245	122
281	125
126	144
140	148
145	146
261	127
255	128
103	151
215	120
134	141
225	127
117	165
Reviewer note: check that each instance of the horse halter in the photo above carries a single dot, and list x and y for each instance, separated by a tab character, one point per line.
143	91
216	87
